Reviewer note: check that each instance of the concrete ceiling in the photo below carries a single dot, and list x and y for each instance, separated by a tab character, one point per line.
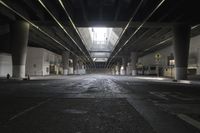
146	32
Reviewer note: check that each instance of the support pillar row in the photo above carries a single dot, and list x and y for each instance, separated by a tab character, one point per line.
181	49
65	59
117	68
75	65
134	59
124	65
19	40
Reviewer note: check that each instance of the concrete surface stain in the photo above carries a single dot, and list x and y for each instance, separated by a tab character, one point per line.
74	111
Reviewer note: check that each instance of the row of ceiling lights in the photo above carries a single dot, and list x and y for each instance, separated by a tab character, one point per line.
62	27
35	26
42	31
139	27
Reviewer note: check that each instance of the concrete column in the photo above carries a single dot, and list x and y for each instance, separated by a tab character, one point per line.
84	68
117	69
75	65
19	40
113	71
181	50
134	59
80	67
123	67
65	60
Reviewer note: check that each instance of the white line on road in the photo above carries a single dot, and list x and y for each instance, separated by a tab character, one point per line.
189	120
29	109
160	95
181	98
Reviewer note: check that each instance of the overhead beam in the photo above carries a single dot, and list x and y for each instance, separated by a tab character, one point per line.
42	41
122	23
118	5
4	29
101	11
110	24
76	29
100	51
163	43
5	12
83	9
33	7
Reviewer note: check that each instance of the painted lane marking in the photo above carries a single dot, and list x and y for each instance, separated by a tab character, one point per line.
182	98
29	109
189	120
160	95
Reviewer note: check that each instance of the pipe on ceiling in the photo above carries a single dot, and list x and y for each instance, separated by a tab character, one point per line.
168	39
163	17
139	27
74	26
126	27
36	27
62	27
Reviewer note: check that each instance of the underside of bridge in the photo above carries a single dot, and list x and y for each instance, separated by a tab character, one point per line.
129	25
99	66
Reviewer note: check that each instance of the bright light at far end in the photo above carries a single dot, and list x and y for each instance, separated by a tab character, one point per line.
100	33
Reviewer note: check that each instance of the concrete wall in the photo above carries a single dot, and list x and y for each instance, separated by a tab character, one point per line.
81	70
5	64
39	61
98	71
71	70
50	58
34	61
151	60
194	56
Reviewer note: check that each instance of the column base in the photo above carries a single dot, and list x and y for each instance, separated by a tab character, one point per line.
113	72
82	71
128	71
75	71
18	71
117	73
134	72
65	72
123	72
181	73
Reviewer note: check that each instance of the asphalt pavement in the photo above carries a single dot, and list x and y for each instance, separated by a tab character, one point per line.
99	104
